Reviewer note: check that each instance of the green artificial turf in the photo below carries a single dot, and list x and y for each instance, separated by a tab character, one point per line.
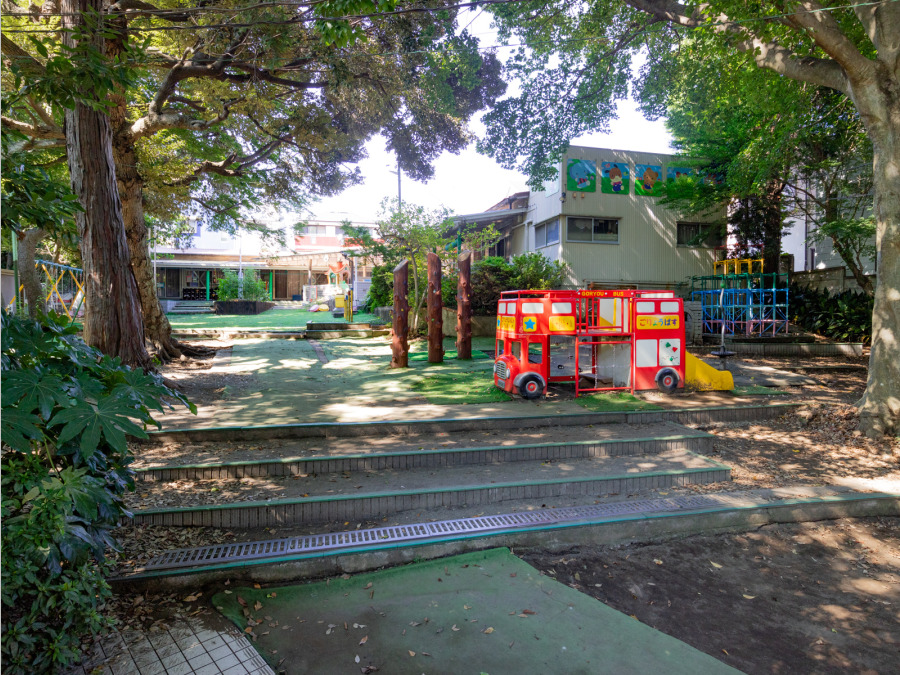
453	388
484	612
614	401
273	319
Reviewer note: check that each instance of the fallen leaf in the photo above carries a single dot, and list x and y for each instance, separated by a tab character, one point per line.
357	658
367	586
192	598
257	606
725	652
528	611
488	631
467	607
241	601
657	561
716	565
749	597
411	652
256	586
454	627
364	640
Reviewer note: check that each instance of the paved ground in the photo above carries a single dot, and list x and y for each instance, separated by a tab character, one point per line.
195	646
485	612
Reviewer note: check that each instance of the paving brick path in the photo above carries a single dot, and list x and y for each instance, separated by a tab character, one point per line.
186	647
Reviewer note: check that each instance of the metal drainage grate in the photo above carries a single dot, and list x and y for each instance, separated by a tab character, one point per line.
256	550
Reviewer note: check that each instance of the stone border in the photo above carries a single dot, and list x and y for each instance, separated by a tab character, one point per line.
552	538
405	427
419	459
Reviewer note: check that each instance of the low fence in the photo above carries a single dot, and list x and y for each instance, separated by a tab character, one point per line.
325	292
63	288
832	279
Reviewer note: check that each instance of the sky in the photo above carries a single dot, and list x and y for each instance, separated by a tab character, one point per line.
469	182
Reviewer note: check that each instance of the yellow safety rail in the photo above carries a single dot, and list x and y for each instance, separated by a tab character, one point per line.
63	294
738	266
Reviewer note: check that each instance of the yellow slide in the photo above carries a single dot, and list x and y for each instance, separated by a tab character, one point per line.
704	376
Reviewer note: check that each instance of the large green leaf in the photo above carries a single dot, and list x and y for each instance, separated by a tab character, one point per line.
17	427
30	389
108	420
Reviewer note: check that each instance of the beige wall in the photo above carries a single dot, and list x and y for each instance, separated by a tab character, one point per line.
646	252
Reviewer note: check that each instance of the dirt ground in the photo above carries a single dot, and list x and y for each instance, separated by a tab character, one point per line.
800	598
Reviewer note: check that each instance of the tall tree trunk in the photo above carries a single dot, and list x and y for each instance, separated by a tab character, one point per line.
31	278
880	406
112	321
157	328
773	226
435	304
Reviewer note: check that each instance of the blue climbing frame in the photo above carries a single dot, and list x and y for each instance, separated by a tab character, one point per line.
752	304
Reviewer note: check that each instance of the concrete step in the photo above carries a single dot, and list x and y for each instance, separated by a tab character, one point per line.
338	334
400	428
190	310
204	461
319	498
230	333
337	325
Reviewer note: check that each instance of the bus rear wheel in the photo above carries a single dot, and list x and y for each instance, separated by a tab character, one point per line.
667	381
531	386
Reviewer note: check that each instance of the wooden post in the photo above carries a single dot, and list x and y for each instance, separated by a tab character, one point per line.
464	307
399	340
435	304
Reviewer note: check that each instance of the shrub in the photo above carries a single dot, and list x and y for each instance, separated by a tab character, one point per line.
533	271
846	316
66	410
381	292
230	287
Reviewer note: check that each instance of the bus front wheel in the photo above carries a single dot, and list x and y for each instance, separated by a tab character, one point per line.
531	386
667	381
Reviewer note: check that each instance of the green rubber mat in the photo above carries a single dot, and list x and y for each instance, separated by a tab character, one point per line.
485	612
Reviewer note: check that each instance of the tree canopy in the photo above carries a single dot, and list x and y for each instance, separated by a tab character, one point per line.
574	62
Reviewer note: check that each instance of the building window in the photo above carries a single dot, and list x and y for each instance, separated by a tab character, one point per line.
546	234
314	230
195	279
596	230
704	235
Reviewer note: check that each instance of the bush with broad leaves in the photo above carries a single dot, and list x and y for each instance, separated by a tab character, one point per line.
67	411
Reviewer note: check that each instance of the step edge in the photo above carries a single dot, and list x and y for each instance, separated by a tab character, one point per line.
410	453
431	491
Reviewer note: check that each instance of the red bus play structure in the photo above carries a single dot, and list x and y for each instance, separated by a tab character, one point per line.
602	340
